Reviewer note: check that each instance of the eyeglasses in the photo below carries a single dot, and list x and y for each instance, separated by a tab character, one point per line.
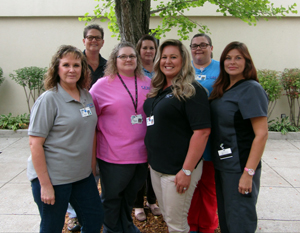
201	46
90	38
125	57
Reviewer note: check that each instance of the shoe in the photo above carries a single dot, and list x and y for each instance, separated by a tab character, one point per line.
139	214
73	224
155	210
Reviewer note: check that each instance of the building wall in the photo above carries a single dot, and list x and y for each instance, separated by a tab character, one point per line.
32	32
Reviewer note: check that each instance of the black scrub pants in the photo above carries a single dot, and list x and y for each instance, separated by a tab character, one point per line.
120	184
237	212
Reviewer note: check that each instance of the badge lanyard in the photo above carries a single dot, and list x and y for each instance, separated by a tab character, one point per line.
136	92
201	76
85	111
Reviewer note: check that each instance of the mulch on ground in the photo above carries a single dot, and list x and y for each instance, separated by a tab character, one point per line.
153	224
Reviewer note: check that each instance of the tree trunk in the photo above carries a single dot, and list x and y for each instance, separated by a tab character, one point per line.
133	19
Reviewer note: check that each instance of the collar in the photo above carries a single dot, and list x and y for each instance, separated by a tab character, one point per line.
148	73
102	61
67	98
205	68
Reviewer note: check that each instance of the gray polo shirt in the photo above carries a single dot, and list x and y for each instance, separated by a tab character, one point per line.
69	137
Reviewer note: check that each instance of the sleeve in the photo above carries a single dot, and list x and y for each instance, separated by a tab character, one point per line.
197	109
42	115
94	91
253	101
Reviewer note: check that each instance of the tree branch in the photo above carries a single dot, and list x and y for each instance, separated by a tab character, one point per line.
175	5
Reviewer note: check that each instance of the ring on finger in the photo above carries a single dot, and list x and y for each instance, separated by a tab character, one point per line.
246	192
184	188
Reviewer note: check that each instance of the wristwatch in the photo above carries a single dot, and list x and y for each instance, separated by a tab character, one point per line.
187	172
250	171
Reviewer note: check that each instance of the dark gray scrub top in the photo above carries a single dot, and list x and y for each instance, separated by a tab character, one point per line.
231	123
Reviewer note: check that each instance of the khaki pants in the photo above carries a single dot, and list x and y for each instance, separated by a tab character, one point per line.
174	206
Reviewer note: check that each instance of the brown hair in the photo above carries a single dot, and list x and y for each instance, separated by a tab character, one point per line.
93	26
146	37
207	37
223	80
52	77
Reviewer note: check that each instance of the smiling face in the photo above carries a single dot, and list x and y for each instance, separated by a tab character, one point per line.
127	66
69	70
93	45
201	56
147	51
170	61
234	64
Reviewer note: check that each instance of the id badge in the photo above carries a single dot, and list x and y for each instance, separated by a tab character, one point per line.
225	153
85	112
201	77
150	120
136	119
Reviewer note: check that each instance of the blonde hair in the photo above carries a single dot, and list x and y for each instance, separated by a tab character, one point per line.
111	65
182	87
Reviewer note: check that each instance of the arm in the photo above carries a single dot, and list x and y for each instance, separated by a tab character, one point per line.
260	128
196	148
94	155
40	166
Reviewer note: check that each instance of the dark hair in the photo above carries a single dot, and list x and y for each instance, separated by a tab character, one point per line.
223	81
93	26
146	37
52	77
207	37
203	35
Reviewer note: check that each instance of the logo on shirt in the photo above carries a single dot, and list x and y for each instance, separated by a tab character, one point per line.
168	96
145	87
91	105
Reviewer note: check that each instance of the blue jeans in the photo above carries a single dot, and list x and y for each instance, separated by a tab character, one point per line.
120	184
83	196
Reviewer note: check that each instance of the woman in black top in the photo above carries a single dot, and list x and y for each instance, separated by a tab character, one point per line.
178	121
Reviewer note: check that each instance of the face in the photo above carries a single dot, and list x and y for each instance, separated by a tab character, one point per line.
147	51
201	55
170	61
128	65
93	45
234	63
69	70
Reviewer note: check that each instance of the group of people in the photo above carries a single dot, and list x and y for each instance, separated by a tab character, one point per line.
188	133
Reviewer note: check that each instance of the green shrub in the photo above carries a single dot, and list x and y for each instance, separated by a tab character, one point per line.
291	84
31	79
270	81
1	77
14	123
282	125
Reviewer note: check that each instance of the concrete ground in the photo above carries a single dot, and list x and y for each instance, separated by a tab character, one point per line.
278	205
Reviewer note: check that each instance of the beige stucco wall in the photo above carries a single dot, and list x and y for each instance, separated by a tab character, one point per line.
32	32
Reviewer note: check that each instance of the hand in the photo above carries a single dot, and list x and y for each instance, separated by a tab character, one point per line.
94	170
47	194
245	184
182	182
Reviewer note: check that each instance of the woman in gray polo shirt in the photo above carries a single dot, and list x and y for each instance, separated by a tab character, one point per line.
61	133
